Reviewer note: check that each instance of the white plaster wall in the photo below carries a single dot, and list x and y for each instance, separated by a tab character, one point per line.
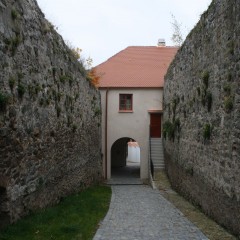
133	125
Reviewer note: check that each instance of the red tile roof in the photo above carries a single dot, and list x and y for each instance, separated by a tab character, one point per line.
136	67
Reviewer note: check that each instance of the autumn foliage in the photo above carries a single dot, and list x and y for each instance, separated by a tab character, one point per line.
93	77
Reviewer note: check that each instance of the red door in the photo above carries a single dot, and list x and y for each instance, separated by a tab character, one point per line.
155	125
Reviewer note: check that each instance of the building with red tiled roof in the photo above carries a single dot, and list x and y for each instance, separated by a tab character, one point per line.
136	67
131	87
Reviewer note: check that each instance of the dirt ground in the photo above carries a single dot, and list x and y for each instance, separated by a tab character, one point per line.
210	228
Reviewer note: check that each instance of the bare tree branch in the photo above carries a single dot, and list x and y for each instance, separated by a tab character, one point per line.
177	37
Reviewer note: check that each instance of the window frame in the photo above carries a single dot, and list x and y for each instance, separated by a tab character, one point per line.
126	95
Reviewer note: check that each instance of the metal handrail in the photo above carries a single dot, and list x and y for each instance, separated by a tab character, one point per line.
150	154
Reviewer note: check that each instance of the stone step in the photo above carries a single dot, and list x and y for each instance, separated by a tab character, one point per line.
157	154
159	167
156	143
156	139
156	147
157	159
158	164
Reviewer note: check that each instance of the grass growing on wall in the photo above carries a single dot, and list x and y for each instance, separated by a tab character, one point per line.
76	217
4	99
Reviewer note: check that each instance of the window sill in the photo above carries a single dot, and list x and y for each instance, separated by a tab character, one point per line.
125	111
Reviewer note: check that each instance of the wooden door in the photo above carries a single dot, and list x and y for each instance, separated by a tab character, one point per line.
155	125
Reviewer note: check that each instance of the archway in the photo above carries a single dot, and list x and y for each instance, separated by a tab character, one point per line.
125	159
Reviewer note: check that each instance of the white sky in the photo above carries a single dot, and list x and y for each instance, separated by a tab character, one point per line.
102	28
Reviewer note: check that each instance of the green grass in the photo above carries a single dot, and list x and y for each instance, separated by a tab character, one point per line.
75	217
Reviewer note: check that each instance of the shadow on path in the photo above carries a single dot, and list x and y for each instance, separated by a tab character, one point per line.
129	175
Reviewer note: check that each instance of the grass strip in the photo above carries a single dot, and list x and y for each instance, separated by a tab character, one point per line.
209	227
76	217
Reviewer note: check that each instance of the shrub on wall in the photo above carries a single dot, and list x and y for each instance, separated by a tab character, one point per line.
170	128
12	82
21	90
209	100
228	104
205	77
207	129
14	14
4	99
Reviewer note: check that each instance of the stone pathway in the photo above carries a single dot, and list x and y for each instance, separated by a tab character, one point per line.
137	212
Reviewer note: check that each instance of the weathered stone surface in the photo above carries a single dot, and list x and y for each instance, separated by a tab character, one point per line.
201	115
49	114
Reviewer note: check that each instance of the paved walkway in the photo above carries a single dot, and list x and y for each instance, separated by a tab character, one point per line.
137	212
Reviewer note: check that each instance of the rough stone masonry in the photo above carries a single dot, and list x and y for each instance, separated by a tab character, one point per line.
202	115
49	114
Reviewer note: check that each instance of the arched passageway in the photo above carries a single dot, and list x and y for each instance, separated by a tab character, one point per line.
125	158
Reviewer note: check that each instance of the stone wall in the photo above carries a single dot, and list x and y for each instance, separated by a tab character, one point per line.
49	114
202	115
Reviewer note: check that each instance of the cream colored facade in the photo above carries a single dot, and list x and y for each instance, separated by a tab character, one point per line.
116	125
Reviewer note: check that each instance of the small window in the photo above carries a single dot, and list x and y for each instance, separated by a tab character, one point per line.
125	102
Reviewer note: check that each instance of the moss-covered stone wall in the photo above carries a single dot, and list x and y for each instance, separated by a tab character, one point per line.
202	115
49	114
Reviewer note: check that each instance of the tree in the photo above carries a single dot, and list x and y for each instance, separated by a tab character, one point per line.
91	74
177	37
89	62
76	52
93	77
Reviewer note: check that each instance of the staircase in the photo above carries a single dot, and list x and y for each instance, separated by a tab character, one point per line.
157	154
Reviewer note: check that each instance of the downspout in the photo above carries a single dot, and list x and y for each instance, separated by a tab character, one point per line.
106	131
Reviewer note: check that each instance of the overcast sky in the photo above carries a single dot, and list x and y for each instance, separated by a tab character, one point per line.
102	28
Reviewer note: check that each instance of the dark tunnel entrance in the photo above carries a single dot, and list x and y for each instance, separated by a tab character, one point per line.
122	164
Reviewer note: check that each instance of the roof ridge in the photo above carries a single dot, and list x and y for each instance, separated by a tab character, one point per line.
136	66
135	47
111	57
155	46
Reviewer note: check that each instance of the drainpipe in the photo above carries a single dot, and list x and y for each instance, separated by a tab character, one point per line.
106	132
